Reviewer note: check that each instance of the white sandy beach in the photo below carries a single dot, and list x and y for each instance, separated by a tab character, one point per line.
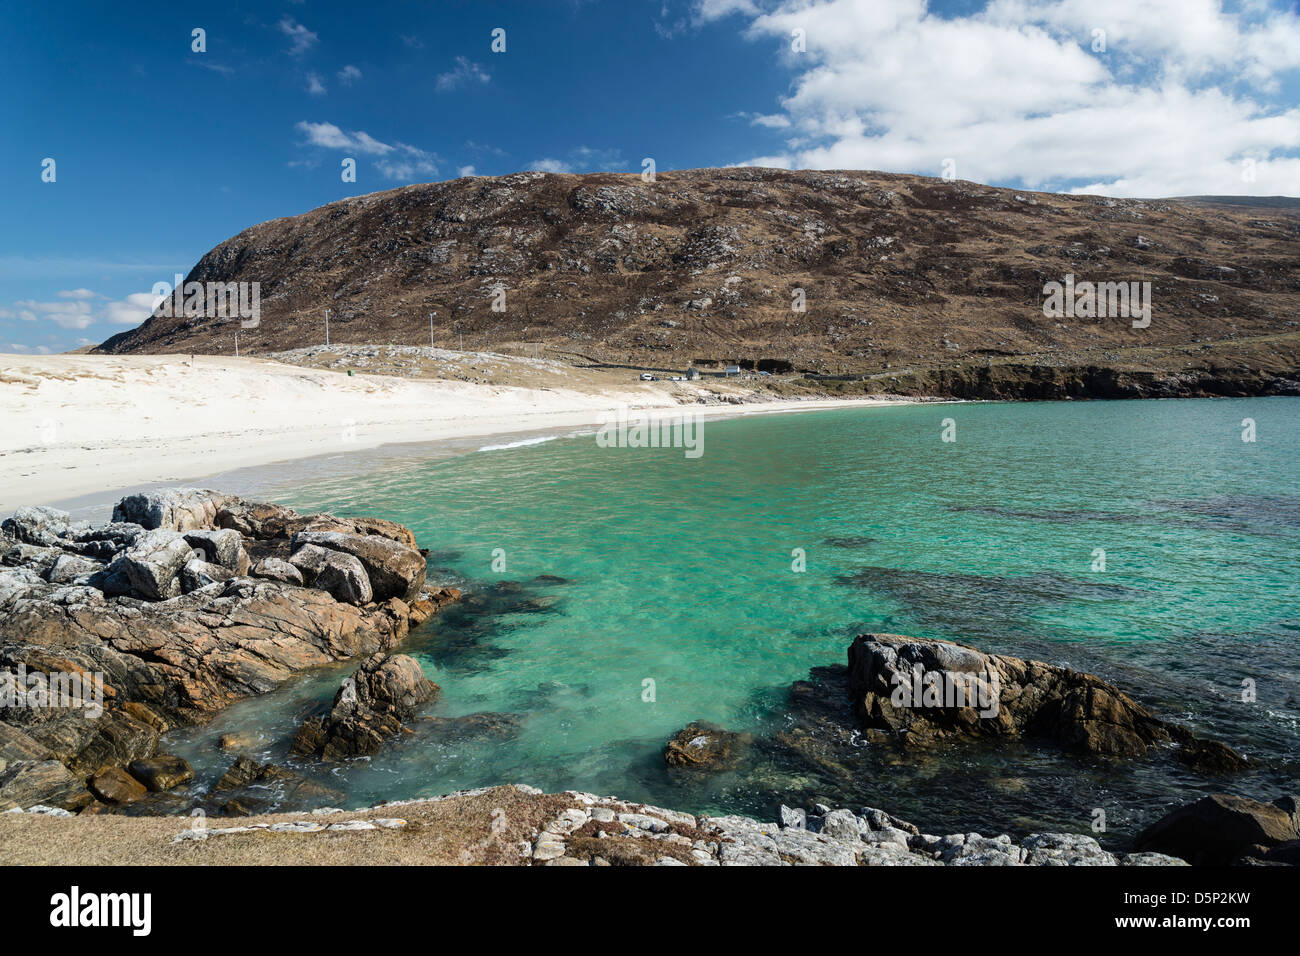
77	425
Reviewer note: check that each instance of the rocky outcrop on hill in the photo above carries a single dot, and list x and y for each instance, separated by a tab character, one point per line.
111	635
921	285
913	691
374	704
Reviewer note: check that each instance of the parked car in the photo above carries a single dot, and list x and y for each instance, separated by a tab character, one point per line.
647	377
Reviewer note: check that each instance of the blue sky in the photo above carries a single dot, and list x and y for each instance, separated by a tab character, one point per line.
162	152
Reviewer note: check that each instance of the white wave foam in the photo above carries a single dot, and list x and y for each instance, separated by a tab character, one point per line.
520	443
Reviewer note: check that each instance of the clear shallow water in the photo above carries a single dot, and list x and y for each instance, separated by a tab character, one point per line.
678	571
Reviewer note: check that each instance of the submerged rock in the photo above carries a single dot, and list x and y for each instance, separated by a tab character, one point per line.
248	788
704	745
492	725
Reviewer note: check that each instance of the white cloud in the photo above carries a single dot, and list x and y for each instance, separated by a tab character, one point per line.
396	161
82	308
1015	92
331	137
135	309
349	75
406	170
465	171
465	72
550	166
582	159
314	85
300	38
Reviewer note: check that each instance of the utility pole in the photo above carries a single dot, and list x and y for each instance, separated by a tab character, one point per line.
431	315
236	348
327	327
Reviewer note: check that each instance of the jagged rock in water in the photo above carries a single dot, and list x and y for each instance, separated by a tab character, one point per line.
374	705
249	788
163	772
918	690
1220	829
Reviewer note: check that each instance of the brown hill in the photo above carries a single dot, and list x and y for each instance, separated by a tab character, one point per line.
912	284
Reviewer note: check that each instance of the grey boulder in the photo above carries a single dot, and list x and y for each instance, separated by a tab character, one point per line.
150	569
394	569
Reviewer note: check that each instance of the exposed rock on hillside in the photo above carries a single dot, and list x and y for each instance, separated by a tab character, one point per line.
921	285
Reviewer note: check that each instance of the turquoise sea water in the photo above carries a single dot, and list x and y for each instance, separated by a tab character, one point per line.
628	566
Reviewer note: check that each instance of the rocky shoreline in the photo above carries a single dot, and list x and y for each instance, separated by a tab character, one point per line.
518	825
189	600
185	602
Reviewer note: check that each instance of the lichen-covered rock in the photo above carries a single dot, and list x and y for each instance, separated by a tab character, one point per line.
150	569
341	575
72	569
394	570
224	547
172	509
37	525
19	583
274	569
199	574
157	657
